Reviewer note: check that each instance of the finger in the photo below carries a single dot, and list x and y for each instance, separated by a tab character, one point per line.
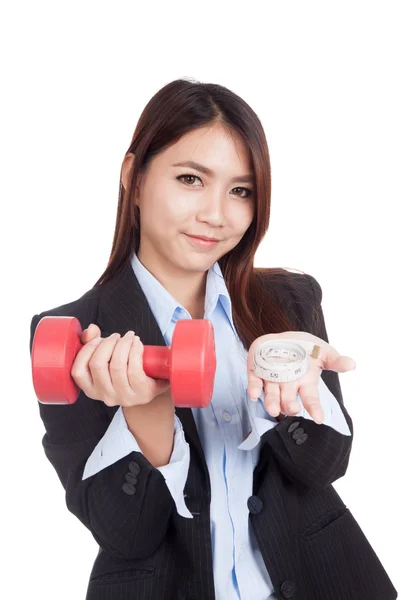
272	398
288	393
311	401
139	382
103	388
91	332
118	367
80	371
146	387
254	385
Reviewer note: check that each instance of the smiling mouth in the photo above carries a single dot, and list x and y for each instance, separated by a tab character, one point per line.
202	237
201	242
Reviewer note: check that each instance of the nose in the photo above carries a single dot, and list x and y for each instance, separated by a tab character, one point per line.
211	209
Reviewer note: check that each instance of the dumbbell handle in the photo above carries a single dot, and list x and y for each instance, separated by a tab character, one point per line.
157	362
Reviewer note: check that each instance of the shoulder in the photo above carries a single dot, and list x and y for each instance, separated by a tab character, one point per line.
84	308
298	292
88	302
295	285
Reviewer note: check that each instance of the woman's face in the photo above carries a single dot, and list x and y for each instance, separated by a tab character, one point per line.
178	200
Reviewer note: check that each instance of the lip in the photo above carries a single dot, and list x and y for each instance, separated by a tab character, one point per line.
200	242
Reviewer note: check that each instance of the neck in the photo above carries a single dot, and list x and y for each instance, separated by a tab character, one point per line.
189	288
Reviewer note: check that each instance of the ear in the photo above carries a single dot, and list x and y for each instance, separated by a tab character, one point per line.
126	169
126	172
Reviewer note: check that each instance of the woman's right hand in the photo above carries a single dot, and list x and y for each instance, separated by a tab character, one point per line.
111	369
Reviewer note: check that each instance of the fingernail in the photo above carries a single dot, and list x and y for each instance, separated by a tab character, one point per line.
95	340
115	335
294	407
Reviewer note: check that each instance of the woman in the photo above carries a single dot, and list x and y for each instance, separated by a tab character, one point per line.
234	500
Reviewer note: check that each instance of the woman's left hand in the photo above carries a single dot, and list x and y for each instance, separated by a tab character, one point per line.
281	397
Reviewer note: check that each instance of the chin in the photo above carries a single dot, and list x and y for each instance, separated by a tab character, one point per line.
197	264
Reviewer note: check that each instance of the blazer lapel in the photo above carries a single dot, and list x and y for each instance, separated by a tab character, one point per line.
124	306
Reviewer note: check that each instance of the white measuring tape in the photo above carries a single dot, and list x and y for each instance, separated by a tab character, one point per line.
283	360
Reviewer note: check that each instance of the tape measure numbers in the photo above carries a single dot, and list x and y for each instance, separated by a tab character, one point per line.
283	360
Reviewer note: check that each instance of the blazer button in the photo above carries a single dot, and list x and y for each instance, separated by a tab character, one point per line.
134	467
288	589
129	489
130	478
293	426
302	439
255	505
297	433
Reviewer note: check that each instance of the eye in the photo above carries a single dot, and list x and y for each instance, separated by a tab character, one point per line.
248	190
188	175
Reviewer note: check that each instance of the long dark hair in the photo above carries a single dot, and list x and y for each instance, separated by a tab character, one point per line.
178	108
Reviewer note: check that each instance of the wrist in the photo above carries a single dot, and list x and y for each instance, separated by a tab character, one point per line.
161	407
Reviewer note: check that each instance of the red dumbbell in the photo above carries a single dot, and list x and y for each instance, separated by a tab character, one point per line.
189	363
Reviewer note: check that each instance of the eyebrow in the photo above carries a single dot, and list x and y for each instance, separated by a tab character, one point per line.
194	165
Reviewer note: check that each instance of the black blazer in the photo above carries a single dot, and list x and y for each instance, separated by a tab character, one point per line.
311	544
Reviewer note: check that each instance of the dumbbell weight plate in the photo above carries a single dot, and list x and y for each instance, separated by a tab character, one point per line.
55	345
193	363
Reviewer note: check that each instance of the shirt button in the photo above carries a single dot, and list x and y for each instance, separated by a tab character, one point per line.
227	416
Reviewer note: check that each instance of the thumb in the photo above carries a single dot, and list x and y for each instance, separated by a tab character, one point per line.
342	364
339	363
91	332
160	386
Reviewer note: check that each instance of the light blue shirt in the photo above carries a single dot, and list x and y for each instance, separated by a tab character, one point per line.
229	429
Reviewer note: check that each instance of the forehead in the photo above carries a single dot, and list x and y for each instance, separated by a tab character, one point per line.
214	147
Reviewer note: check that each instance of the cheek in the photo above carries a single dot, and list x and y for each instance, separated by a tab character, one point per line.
177	211
242	218
165	211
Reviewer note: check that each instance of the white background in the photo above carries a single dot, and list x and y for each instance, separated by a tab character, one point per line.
323	78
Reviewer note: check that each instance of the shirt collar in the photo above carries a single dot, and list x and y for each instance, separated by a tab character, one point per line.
165	307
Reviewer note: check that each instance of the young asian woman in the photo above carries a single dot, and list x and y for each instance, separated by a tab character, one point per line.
232	501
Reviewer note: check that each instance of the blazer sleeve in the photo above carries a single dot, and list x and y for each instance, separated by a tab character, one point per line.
118	441
312	456
128	521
